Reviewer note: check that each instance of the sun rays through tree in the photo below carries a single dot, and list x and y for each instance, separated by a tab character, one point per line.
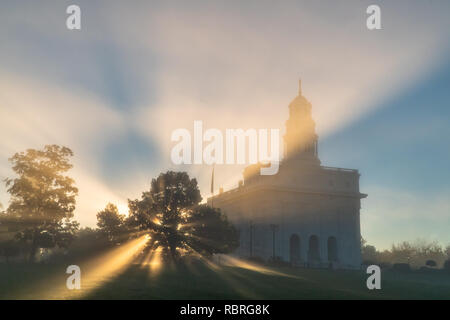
175	221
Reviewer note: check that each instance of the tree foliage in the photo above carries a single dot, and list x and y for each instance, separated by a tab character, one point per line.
111	224
42	198
416	253
209	231
171	214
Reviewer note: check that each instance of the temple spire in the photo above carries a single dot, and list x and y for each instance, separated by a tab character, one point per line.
301	139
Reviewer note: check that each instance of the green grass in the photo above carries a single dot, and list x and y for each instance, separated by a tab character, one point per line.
198	281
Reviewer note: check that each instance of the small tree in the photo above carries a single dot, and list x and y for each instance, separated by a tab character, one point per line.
369	254
43	198
402	252
111	224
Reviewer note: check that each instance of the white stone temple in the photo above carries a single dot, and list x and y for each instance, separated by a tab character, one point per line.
306	214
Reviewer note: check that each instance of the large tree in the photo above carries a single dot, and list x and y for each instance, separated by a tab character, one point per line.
42	198
171	215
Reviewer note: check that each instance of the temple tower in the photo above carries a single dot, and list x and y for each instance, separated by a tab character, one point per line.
301	140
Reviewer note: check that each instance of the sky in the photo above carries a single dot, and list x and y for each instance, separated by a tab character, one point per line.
115	90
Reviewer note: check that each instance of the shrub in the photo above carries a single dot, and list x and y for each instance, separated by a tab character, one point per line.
385	265
430	263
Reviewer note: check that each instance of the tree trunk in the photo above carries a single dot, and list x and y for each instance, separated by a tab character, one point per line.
34	248
173	252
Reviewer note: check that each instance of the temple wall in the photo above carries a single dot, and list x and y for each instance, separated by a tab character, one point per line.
300	214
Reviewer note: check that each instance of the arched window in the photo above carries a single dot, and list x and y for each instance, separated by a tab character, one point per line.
313	251
294	249
332	249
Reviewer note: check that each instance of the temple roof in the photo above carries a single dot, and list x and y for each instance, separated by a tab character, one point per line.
299	100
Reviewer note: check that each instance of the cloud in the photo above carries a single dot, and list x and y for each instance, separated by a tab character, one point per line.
248	62
239	68
34	114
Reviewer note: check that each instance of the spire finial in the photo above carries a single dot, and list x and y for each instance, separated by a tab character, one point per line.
299	87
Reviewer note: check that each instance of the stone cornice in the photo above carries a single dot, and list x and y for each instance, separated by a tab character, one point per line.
238	193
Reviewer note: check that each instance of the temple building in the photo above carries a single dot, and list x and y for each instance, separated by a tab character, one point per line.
306	214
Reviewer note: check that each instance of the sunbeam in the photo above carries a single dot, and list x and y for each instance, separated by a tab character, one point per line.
231	261
94	273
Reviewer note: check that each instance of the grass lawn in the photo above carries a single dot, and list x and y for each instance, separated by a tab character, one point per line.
200	281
